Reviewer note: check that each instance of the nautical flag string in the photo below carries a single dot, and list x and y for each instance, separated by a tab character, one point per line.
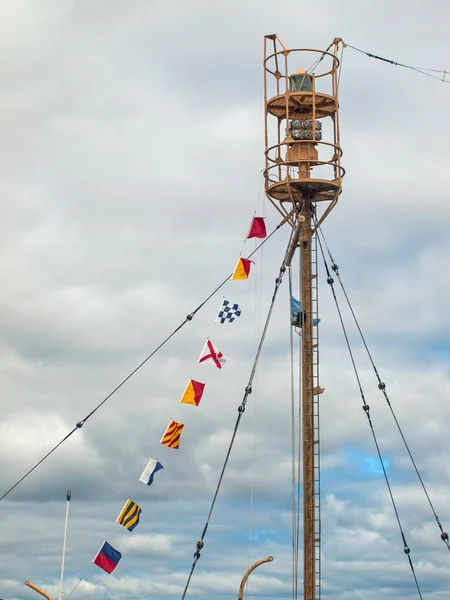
107	558
211	355
228	312
171	437
152	467
129	515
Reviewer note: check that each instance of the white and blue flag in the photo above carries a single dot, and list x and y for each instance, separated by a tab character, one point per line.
228	312
153	466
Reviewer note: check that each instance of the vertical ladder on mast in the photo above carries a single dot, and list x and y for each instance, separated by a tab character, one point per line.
316	397
309	403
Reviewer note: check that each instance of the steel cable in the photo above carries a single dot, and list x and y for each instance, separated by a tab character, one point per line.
382	388
366	409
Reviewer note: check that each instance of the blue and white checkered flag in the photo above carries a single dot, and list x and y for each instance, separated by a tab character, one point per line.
228	312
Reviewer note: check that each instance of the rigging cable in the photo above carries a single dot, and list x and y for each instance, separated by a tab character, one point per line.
80	424
258	310
382	388
297	477
77	584
241	410
299	467
398	64
293	244
366	409
293	445
320	59
341	60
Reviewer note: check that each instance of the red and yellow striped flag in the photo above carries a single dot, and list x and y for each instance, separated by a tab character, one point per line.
171	437
242	269
193	392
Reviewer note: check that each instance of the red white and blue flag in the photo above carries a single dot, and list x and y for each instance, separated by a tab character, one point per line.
107	558
212	355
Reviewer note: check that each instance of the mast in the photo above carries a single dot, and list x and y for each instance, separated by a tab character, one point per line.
68	497
311	517
302	170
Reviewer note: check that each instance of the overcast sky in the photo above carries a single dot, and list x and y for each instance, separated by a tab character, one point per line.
131	152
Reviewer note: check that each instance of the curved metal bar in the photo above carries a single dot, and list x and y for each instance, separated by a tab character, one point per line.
334	59
252	568
38	590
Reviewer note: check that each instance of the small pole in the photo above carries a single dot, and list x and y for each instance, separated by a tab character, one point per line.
69	496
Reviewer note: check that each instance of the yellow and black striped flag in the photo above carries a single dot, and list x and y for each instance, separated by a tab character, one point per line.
129	516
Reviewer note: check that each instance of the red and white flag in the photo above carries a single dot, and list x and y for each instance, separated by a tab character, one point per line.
212	355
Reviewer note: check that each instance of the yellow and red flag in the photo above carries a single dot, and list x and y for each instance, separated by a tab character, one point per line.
171	437
193	392
242	269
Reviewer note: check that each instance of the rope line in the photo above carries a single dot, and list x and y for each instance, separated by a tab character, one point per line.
366	409
382	388
241	410
427	72
80	424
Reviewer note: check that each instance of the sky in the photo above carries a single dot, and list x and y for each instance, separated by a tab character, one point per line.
131	162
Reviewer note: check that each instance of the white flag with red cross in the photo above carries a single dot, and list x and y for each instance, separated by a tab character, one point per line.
211	355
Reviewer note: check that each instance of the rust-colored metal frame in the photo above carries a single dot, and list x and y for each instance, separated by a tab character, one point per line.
282	190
